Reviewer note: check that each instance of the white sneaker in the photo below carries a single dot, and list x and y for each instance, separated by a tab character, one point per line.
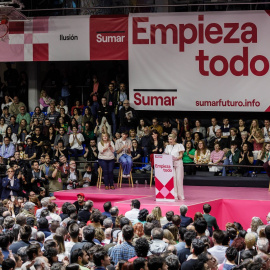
124	176
128	175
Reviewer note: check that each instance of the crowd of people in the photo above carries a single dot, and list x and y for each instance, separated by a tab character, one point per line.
107	130
36	234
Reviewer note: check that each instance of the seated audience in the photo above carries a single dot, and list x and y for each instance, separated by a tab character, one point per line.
231	158
246	158
211	131
188	158
257	139
216	158
198	128
202	154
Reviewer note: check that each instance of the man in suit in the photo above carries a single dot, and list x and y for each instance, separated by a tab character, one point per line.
185	221
10	185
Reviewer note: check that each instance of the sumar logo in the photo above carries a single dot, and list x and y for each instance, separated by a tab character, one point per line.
114	36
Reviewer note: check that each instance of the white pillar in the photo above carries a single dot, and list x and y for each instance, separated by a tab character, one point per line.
33	93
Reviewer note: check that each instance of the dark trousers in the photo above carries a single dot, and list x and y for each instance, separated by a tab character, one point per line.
107	168
258	163
267	168
76	153
189	170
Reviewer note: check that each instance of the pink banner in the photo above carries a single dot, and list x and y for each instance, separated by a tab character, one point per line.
164	177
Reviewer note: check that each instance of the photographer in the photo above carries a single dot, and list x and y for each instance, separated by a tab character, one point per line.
10	185
74	176
55	179
37	177
21	175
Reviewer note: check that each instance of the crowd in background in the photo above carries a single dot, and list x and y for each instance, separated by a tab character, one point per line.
36	234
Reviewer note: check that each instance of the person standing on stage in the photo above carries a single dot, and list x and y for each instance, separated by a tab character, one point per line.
176	150
106	159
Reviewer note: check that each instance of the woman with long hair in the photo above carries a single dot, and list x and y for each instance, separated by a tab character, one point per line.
168	237
106	159
241	126
156	211
156	146
140	128
59	239
176	150
44	101
87	117
246	158
197	136
12	136
202	154
257	139
183	128
188	158
23	125
60	123
262	157
74	123
77	115
51	136
3	126
254	126
136	151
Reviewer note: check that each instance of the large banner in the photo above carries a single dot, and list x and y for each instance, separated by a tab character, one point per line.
164	177
69	38
200	61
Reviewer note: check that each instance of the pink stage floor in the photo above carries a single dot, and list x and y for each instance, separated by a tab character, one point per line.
229	204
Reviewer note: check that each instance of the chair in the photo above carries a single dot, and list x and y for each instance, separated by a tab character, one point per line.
99	177
120	177
151	176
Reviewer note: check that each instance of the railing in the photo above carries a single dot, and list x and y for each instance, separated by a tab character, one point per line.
80	93
77	7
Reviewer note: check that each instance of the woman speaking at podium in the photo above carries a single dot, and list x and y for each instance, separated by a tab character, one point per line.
177	151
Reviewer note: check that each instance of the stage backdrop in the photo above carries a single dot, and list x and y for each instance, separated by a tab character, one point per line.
177	61
200	61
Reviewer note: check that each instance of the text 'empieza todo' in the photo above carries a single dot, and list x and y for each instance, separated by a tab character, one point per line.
212	33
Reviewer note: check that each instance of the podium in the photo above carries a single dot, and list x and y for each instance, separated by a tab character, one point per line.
164	184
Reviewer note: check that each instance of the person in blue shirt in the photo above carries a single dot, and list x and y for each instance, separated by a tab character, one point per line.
8	149
126	250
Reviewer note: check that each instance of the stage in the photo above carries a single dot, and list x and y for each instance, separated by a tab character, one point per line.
229	204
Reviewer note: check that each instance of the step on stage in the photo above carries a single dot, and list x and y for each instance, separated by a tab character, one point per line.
229	204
